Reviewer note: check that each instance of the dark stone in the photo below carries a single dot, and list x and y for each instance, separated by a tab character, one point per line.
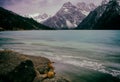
43	69
23	73
56	79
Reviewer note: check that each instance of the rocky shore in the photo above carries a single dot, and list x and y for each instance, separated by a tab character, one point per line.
16	67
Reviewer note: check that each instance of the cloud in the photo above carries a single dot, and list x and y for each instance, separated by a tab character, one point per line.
11	2
38	6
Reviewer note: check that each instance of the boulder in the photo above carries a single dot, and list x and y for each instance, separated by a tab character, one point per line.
23	73
15	68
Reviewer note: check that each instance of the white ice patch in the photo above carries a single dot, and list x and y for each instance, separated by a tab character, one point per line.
41	20
66	10
33	15
85	12
69	24
75	25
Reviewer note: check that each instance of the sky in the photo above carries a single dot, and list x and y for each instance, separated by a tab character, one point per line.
24	7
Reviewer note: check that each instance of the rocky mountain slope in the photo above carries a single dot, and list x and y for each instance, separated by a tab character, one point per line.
85	8
106	16
11	21
69	16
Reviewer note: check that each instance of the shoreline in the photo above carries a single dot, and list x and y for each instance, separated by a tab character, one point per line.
62	72
14	66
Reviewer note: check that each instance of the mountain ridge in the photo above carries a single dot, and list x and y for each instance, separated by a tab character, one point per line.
68	17
12	21
106	16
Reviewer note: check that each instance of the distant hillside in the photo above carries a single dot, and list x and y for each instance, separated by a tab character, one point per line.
106	16
11	21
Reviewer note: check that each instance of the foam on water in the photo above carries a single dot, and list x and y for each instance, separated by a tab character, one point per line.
88	64
94	66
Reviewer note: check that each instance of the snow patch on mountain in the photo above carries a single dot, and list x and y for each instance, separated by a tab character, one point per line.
85	12
32	15
66	10
69	24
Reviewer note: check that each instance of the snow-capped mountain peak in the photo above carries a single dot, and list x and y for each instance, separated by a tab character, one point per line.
106	16
67	17
85	8
38	17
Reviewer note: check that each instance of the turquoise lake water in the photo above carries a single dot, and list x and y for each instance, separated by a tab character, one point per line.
81	56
